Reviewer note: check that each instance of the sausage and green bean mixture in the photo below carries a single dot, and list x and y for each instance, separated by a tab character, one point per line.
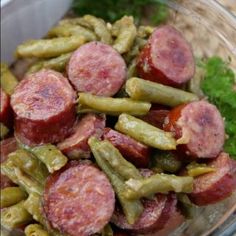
101	134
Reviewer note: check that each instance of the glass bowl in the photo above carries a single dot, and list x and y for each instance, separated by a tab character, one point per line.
211	30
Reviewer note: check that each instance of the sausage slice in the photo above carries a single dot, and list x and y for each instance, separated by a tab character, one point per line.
44	106
97	68
167	58
132	150
215	186
6	114
157	212
78	200
76	146
199	128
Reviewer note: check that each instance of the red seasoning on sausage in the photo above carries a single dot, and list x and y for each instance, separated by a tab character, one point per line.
199	128
6	114
78	200
44	106
214	186
132	150
76	146
97	68
167	58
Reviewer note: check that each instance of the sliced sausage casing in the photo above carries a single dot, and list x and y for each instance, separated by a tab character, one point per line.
97	68
76	146
78	200
199	128
44	107
167	58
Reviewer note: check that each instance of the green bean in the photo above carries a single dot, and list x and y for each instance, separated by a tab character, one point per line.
11	196
145	133
76	21
195	169
100	28
35	230
125	31
144	90
15	216
50	155
70	30
3	130
8	80
57	63
46	48
132	208
144	31
107	231
9	169
158	183
33	205
186	206
29	164
132	68
124	168
135	50
114	106
166	161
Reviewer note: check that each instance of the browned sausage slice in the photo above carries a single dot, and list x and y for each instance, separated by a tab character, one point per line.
6	114
215	186
157	212
6	147
78	200
76	146
199	127
132	150
97	68
44	105
167	58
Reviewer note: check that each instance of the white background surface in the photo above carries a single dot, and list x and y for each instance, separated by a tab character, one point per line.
27	19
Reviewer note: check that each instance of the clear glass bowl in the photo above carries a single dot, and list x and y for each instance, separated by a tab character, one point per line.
211	30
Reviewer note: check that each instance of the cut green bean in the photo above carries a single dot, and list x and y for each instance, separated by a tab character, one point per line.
9	169
33	205
15	216
50	155
149	91
132	208
107	231
29	164
125	31
100	28
70	30
195	169
144	31
114	106
158	183
145	133
166	161
12	195
3	130
75	21
35	230
46	48
8	80
57	63
122	167
186	206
